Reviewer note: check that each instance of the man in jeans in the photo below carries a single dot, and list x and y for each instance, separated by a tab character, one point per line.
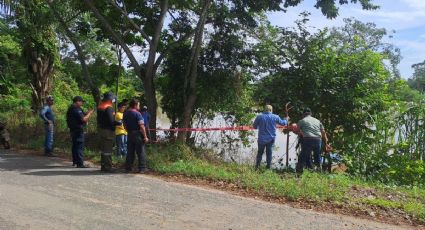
135	126
49	120
76	119
312	133
266	125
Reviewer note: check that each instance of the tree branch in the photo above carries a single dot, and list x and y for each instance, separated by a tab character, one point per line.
115	36
125	13
80	53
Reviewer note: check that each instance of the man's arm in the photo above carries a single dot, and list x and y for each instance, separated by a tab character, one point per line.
283	121
143	131
324	136
255	125
43	114
86	117
110	113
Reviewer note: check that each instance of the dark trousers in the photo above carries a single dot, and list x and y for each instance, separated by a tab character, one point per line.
269	151
48	140
308	146
135	146
107	145
77	147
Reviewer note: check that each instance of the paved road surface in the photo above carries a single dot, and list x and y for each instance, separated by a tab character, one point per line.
46	193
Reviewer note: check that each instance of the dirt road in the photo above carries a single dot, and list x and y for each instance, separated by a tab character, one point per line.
47	193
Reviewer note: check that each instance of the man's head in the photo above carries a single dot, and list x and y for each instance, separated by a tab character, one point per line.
109	97
144	109
268	108
307	112
78	101
135	104
50	100
121	107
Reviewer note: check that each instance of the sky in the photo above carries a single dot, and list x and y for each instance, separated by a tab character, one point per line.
405	17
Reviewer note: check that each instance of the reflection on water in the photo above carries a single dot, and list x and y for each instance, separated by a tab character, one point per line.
235	151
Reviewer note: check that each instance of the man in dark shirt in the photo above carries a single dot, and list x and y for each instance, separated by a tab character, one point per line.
48	117
76	120
106	126
134	124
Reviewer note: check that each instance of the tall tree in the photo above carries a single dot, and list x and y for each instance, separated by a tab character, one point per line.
417	81
39	43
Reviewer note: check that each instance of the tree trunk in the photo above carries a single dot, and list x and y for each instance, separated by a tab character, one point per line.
192	73
148	73
40	68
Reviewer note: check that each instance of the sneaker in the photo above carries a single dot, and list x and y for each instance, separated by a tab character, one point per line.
50	155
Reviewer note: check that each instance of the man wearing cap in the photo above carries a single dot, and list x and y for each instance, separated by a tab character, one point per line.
106	126
76	119
312	132
48	117
134	124
266	125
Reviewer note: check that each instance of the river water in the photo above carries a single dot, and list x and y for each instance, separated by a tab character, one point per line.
236	151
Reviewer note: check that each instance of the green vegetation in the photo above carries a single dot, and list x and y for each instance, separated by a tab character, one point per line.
224	58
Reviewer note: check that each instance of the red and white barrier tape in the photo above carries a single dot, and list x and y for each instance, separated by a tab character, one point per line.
237	128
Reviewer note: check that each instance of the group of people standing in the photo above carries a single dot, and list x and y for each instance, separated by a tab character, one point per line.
127	127
311	134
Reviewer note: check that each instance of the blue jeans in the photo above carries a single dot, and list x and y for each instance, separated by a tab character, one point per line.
309	145
121	145
77	147
48	140
269	148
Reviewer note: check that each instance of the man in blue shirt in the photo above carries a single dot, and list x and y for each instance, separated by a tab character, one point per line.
146	118
135	126
48	117
76	119
266	125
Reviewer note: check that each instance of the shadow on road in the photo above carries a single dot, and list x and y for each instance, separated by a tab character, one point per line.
64	173
35	165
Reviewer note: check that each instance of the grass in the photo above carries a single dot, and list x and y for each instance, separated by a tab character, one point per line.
175	159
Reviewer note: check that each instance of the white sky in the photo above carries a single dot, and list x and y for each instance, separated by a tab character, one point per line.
406	17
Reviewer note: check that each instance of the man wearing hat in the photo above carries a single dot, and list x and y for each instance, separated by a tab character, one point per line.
76	119
312	132
48	117
106	129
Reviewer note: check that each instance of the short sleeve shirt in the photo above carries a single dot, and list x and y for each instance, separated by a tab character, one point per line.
119	129
132	120
76	116
311	127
